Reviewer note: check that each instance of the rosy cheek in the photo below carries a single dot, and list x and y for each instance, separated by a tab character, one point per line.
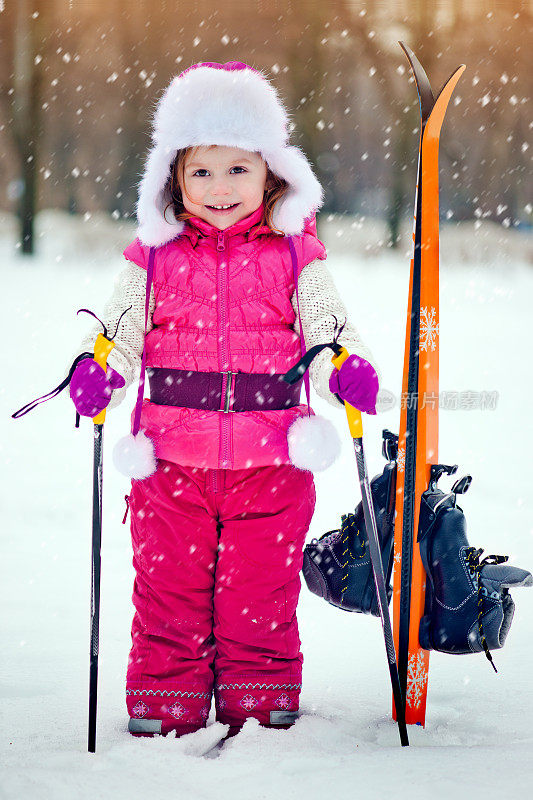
193	194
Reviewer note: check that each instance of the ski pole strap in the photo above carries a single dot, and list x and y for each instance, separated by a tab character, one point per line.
294	259
140	392
300	369
34	403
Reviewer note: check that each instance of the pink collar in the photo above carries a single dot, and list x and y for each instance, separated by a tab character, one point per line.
195	227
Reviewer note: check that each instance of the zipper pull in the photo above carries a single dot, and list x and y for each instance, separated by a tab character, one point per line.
127	499
220	241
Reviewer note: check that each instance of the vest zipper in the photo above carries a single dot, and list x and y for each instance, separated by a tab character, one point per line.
223	349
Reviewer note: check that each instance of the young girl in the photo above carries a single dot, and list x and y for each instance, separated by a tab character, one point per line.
225	272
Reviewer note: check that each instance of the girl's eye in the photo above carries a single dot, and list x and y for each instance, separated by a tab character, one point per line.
202	173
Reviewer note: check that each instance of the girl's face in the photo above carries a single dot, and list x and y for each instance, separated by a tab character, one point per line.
222	185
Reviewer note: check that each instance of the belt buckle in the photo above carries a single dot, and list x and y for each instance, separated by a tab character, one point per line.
228	397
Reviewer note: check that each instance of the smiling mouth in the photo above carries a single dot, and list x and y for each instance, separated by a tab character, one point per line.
221	209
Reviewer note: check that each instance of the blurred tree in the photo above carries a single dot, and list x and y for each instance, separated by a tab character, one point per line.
25	107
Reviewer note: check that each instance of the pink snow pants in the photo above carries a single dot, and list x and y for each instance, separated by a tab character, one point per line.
217	555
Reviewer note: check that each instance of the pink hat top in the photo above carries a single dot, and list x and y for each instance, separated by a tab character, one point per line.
229	66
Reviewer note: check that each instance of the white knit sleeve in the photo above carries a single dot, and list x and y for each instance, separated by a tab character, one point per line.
125	357
320	303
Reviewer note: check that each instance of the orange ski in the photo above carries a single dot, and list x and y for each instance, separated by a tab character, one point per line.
418	439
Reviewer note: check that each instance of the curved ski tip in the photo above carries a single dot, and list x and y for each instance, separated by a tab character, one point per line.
407	50
452	80
423	86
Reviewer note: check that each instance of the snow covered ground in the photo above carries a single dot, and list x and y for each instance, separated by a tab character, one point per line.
478	738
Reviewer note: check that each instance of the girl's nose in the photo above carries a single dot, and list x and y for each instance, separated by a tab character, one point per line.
221	188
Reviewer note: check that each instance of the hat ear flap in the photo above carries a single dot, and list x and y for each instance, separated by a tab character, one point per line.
154	229
305	192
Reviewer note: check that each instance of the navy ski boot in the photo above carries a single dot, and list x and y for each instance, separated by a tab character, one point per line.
468	605
337	566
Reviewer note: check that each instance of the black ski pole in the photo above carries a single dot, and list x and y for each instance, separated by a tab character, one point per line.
95	581
102	348
355	424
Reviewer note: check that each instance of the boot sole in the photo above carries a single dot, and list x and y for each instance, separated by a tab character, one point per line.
158	727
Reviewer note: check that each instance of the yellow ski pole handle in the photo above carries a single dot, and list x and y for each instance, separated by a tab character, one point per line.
355	420
102	348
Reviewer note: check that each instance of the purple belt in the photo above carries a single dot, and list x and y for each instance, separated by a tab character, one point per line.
221	391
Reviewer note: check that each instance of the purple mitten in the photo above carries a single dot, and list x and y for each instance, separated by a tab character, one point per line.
356	383
91	387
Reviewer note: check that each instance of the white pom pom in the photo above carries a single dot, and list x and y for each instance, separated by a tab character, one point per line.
134	456
314	443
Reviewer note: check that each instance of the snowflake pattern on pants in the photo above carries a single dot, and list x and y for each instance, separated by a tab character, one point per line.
429	329
283	701
177	710
140	709
417	678
248	702
204	712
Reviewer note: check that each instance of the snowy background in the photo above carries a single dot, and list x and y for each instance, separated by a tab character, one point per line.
478	738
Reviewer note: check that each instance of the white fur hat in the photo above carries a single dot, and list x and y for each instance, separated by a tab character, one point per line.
232	105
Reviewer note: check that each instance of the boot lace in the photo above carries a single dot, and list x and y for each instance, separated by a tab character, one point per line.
327	540
348	524
475	566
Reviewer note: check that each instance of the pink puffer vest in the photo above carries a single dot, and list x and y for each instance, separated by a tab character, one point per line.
223	302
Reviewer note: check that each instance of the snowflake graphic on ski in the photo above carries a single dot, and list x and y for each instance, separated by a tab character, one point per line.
417	679
400	459
429	329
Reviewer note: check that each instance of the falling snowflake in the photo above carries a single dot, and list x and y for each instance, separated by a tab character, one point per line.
248	702
140	709
283	701
417	678
398	557
429	329
400	459
177	710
